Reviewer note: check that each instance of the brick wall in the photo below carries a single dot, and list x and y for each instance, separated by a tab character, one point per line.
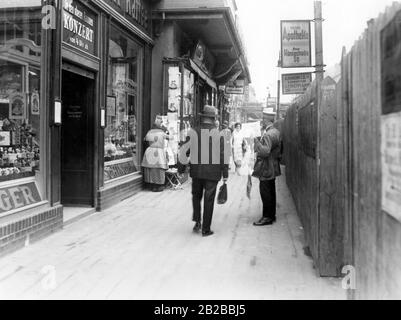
14	235
110	196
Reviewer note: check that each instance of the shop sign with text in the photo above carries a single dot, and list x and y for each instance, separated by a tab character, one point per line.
296	83
79	26
235	87
296	44
19	196
137	11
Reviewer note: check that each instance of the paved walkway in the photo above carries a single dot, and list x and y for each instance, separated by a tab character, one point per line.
144	248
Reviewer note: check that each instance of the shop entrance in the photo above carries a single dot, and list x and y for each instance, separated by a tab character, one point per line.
77	138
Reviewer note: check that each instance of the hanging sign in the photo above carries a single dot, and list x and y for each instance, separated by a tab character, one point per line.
79	26
296	83
296	44
236	87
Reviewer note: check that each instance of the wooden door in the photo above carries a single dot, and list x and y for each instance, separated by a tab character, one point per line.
77	139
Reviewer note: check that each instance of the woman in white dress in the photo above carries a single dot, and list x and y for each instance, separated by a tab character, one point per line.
155	162
239	146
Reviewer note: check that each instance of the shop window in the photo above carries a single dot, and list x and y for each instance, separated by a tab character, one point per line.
124	86
20	101
179	115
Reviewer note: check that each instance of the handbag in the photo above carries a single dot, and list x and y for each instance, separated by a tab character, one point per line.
222	196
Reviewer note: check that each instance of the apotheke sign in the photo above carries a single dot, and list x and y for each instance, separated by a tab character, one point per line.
79	26
296	44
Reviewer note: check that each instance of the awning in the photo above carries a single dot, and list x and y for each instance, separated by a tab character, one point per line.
202	74
216	24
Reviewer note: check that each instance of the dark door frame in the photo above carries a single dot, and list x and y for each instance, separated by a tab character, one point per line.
94	76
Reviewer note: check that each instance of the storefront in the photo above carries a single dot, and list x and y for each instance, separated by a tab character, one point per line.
72	100
186	91
104	92
197	51
26	208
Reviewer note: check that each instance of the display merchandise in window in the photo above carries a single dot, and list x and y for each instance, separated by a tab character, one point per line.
180	86
20	103
123	99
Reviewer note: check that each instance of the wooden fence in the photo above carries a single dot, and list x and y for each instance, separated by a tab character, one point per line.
333	158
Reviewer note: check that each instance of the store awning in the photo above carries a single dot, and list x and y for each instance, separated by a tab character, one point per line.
203	75
215	24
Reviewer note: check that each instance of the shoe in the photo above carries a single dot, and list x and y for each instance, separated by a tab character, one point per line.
207	233
264	222
197	227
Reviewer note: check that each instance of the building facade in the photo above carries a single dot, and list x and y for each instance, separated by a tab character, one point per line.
74	91
80	84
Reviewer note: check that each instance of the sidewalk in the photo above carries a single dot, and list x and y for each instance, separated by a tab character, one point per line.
144	248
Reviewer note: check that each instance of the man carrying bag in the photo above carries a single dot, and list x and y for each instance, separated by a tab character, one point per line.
206	171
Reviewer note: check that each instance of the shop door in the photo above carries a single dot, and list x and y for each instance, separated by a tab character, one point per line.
77	139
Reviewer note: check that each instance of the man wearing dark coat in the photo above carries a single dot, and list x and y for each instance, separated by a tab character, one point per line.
268	149
208	165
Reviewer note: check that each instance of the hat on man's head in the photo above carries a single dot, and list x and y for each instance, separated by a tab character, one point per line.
209	112
225	123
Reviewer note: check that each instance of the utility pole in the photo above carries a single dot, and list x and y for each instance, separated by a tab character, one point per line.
319	79
278	87
278	99
319	42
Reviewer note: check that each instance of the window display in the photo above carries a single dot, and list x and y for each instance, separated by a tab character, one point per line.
20	41
123	98
189	83
180	90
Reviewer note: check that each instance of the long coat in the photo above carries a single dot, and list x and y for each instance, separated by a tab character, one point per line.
268	148
209	170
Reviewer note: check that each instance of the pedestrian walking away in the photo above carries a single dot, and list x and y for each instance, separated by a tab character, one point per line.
267	168
205	176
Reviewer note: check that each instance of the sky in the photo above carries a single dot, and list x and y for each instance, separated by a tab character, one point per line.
345	21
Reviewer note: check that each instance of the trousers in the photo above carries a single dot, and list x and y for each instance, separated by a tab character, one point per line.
268	195
206	189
